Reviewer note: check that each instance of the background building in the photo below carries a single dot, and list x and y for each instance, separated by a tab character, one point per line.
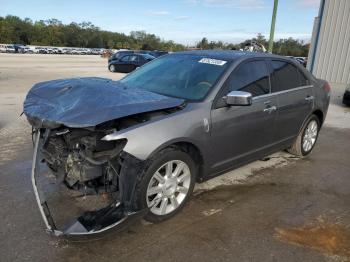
329	56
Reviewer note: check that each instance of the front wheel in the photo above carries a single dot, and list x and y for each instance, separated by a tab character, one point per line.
167	184
307	138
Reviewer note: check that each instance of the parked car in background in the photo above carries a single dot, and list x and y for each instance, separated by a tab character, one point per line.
42	50
74	51
154	53
37	50
56	50
96	51
119	54
145	140
346	96
65	50
129	62
82	51
28	50
19	48
10	49
158	53
302	60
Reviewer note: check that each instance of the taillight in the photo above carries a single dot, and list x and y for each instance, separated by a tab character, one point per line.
327	87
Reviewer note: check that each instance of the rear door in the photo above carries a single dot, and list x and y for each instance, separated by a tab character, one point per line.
295	98
240	133
123	64
133	62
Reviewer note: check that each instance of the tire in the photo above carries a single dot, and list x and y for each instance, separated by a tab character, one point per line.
170	195
299	147
112	68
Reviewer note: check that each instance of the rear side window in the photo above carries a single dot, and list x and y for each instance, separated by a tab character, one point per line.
250	77
133	58
125	58
285	76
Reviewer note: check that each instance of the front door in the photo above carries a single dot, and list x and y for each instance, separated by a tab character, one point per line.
124	64
239	133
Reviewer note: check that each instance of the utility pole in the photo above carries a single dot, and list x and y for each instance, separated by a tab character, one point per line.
273	23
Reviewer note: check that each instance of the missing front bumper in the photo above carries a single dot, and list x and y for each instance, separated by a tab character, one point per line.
115	215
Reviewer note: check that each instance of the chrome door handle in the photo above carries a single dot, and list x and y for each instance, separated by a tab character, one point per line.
309	98
270	109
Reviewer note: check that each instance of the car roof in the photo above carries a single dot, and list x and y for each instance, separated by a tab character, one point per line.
229	55
145	55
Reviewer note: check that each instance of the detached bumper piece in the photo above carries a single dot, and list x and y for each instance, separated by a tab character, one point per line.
114	215
97	221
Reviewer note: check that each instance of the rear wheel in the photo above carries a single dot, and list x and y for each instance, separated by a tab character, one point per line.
112	68
307	138
167	184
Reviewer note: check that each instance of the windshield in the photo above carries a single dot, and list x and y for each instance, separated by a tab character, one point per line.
184	76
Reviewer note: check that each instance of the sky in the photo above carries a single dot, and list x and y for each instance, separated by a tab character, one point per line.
184	21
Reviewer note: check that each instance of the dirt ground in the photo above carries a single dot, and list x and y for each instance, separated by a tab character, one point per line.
277	209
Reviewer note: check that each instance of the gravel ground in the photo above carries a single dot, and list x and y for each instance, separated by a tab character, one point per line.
280	209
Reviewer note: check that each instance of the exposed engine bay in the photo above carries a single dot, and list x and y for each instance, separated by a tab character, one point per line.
82	162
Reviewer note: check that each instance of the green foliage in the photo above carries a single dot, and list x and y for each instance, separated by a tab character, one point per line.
52	32
291	47
287	47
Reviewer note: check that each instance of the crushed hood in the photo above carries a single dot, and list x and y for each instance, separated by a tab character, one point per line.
87	102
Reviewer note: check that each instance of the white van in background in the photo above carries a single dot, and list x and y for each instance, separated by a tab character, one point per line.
2	48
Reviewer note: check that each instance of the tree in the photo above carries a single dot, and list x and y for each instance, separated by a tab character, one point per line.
203	44
14	30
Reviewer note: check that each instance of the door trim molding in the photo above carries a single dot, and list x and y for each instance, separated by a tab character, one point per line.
283	92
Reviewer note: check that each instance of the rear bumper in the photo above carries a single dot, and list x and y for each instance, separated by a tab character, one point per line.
116	215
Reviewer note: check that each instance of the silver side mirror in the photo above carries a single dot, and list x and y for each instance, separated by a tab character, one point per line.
238	98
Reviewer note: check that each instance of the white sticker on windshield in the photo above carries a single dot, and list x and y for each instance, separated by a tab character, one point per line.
212	61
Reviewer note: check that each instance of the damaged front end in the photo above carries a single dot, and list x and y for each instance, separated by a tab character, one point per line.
69	118
80	161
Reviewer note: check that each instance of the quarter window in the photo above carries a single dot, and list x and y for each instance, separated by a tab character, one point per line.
284	76
250	77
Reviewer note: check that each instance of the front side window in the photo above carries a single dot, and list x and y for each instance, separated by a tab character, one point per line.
284	76
190	77
250	77
125	58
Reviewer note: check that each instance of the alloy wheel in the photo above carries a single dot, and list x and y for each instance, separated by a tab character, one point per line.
310	136
168	187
